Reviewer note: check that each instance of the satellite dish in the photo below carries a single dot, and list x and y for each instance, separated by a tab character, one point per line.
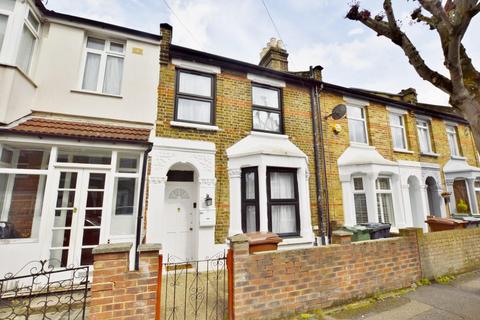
338	112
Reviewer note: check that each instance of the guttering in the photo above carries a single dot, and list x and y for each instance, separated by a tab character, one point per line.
140	203
319	191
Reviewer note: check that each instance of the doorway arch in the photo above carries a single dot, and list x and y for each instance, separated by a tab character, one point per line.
416	207
434	199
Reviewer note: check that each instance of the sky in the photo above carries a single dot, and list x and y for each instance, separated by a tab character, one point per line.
315	32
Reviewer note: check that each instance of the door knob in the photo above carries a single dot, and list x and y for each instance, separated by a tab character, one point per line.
74	210
191	229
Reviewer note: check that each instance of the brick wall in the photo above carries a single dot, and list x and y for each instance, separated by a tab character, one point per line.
119	293
233	114
449	252
271	284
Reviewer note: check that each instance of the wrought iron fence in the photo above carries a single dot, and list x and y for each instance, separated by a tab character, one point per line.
195	289
41	291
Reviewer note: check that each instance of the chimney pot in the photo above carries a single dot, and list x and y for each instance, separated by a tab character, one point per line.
274	55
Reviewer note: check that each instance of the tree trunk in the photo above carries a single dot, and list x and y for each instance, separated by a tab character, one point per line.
471	111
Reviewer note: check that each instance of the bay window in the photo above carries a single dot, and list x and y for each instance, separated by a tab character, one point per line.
103	66
267	109
397	126
384	200
194	97
357	124
28	42
423	131
453	141
360	200
250	207
22	184
282	200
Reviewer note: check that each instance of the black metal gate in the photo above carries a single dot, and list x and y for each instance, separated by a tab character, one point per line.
40	291
195	289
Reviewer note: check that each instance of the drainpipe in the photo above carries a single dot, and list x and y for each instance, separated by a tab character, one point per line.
325	178
140	203
313	105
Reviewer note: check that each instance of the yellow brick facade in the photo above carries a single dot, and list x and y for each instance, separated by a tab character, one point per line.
379	136
233	114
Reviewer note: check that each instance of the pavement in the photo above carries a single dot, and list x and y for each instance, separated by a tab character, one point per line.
457	299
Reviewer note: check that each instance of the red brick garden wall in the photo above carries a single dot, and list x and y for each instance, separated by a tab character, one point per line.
271	284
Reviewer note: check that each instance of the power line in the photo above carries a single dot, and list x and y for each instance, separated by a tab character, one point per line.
271	19
181	22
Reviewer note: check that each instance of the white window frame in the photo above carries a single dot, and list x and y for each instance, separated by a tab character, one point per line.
8	31
381	215
401	115
452	132
424	124
103	63
35	33
363	120
362	191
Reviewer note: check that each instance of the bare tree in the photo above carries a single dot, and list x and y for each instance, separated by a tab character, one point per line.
450	20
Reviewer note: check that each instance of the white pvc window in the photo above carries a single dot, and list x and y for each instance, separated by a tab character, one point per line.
3	28
385	209
397	125
423	130
357	124
103	66
360	201
28	42
453	140
6	9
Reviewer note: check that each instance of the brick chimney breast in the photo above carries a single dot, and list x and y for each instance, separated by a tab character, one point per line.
274	56
167	32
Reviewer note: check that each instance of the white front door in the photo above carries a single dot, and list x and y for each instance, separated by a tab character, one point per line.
179	213
78	215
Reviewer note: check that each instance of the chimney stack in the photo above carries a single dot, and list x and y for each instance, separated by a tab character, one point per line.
274	56
166	31
409	95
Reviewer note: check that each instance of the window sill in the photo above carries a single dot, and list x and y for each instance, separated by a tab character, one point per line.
298	240
269	134
458	158
361	145
18	241
403	151
97	93
197	126
432	154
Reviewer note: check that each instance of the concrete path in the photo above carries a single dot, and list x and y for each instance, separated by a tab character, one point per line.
458	299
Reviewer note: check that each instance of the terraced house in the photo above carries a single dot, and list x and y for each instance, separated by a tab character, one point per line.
242	147
77	104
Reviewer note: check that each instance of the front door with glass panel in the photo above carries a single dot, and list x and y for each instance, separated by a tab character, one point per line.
78	212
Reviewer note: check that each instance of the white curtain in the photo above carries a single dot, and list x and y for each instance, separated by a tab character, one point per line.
195	84
3	27
265	97
113	75
283	219
263	120
92	68
25	51
250	185
193	110
423	138
281	185
251	219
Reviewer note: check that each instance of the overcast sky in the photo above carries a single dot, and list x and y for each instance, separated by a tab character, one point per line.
315	33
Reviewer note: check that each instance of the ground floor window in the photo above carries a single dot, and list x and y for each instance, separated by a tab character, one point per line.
385	209
21	191
460	192
282	199
477	191
360	200
250	212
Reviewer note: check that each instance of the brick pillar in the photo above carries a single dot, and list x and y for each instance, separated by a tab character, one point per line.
167	33
119	293
415	236
240	251
341	237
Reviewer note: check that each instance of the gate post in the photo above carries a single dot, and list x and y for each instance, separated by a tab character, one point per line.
238	246
158	306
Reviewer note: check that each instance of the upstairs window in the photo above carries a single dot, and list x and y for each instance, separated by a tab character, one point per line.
283	209
397	125
423	130
360	200
28	42
384	200
194	97
6	8
250	207
357	124
3	28
267	109
103	66
453	141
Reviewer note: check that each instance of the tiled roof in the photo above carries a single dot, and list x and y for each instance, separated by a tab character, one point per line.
82	130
